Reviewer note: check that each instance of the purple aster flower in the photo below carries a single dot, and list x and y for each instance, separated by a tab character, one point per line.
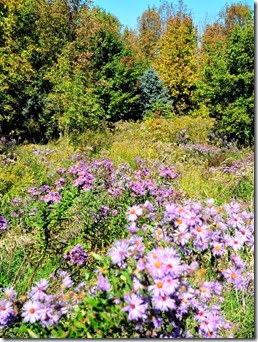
168	172
209	325
136	307
233	276
47	316
76	256
51	197
67	282
60	170
6	312
136	245
137	285
103	283
104	210
197	207
14	214
119	252
218	249
201	314
3	223
33	191
44	188
38	291
245	232
240	264
181	236
10	293
216	287
31	311
236	221
132	227
204	291
160	288
60	183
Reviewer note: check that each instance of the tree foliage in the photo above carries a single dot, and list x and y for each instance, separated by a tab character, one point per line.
67	65
228	76
176	62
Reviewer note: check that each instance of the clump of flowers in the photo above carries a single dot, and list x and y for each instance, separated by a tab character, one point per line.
42	304
168	283
3	223
76	256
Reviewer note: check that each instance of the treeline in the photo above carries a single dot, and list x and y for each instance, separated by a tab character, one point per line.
67	65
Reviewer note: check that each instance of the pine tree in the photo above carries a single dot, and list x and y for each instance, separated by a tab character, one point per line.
153	91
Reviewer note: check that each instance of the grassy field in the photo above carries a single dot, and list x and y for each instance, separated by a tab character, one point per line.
41	231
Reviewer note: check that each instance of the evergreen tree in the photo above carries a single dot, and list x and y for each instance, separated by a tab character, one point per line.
153	91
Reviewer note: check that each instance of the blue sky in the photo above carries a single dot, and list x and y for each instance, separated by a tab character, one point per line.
203	11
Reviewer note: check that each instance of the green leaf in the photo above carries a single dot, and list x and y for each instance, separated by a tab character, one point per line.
32	334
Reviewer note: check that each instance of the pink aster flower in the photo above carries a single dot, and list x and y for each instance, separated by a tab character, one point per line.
136	307
201	314
31	311
164	303
172	284
245	232
236	221
173	266
237	242
182	236
134	212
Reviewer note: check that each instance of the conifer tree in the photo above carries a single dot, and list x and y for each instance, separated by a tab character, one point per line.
153	90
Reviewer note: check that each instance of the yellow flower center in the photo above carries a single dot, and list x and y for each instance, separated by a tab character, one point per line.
158	264
179	221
